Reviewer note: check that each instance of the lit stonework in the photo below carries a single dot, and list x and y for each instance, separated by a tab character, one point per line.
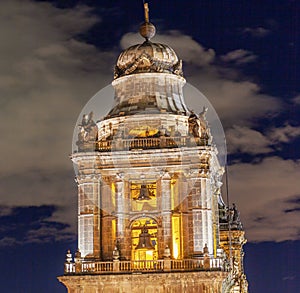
150	214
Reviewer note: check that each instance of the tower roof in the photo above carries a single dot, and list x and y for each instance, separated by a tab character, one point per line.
148	56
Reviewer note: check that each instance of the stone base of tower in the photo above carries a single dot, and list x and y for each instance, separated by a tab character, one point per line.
188	282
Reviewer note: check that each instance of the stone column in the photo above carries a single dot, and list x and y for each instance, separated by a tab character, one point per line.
206	206
186	236
200	206
88	215
107	199
166	210
197	214
97	215
120	212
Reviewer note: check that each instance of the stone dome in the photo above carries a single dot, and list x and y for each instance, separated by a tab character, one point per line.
148	57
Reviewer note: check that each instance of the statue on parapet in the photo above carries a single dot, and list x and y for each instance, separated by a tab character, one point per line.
198	126
88	130
193	124
234	218
204	129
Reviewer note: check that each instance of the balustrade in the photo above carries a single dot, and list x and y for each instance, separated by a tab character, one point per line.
98	267
149	143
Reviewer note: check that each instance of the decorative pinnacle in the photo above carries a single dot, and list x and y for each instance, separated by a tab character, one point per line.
147	29
146	9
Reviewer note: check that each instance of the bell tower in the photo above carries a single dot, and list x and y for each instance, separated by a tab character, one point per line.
150	212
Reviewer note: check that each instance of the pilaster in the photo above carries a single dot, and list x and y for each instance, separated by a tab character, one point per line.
89	214
166	211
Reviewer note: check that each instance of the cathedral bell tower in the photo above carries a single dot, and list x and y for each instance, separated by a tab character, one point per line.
150	213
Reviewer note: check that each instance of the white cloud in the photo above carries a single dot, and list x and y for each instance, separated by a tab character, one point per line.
239	56
284	134
46	234
237	101
264	193
234	97
47	76
257	32
241	139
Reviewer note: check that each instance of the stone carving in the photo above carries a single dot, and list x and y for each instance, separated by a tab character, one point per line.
198	126
194	124
234	218
204	129
178	68
145	63
223	211
88	130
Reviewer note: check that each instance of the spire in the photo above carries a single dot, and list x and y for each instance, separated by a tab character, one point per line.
147	29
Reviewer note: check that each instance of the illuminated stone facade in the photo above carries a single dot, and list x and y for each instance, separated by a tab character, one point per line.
150	213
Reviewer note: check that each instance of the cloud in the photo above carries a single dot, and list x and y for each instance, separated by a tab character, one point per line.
48	233
245	140
8	242
234	97
265	191
296	100
46	77
284	134
40	187
48	74
289	278
32	224
257	32
239	57
237	101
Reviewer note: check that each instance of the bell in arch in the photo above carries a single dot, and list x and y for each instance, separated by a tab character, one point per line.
145	240
144	193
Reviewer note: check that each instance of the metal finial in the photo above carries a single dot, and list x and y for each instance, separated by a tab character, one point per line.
147	29
146	10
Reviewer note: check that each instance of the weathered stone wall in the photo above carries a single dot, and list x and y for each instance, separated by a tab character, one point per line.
187	282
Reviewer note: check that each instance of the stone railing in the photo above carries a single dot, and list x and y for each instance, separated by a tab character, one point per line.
102	267
148	143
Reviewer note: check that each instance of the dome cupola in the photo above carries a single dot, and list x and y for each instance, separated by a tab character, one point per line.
148	57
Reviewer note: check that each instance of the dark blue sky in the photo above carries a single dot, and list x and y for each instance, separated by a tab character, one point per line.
244	55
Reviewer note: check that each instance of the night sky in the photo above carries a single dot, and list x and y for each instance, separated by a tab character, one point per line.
55	55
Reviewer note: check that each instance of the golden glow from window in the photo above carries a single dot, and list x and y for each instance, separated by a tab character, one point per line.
113	194
145	204
143	131
176	236
173	193
114	229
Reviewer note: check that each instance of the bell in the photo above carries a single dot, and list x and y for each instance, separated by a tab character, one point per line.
144	193
145	240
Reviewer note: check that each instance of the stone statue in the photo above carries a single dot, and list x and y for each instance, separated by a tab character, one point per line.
204	130
193	124
235	213
88	130
234	217
202	115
